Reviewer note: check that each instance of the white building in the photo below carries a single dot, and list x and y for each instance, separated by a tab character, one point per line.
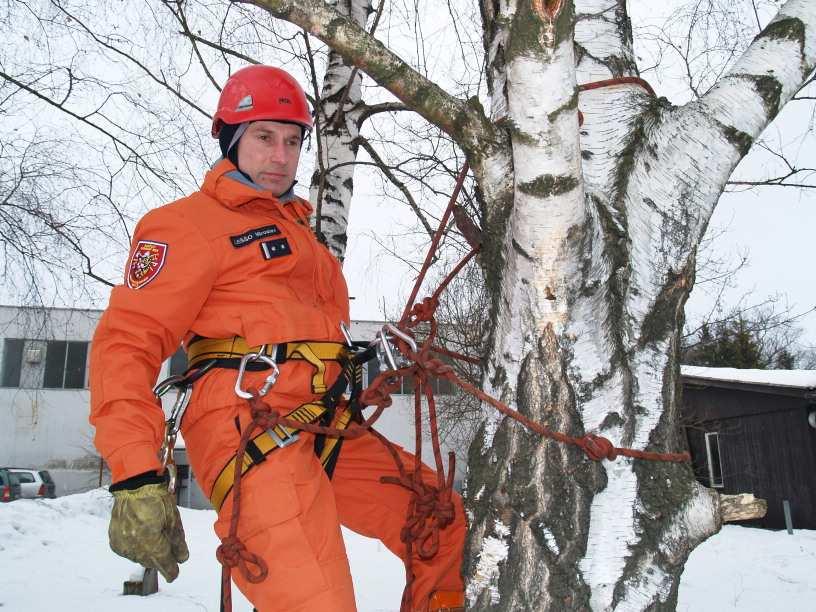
44	399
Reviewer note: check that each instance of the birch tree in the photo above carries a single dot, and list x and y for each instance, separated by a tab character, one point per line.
591	223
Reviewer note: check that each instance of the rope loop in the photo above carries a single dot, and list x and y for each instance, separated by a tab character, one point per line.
598	447
232	553
430	511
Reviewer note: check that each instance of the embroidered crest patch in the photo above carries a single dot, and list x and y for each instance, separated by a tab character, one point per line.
146	263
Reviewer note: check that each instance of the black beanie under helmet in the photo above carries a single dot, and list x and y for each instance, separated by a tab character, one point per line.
225	137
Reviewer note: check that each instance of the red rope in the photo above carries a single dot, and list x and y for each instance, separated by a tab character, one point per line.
625	80
443	351
460	180
232	552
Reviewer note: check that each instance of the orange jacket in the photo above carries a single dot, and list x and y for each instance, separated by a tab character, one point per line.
228	260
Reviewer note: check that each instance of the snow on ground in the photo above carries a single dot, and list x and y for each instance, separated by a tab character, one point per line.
55	555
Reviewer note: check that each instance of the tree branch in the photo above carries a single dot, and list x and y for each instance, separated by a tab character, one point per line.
182	19
465	123
117	141
397	183
770	72
386	107
161	81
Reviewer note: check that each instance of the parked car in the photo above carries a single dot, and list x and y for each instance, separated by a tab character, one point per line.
34	483
9	486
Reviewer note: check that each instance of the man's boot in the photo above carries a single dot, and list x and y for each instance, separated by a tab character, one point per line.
447	601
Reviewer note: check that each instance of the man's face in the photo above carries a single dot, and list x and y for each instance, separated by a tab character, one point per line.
269	152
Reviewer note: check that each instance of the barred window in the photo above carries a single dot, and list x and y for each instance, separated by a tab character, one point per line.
12	362
65	364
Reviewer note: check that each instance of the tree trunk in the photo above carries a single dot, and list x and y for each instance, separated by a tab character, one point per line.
340	103
597	261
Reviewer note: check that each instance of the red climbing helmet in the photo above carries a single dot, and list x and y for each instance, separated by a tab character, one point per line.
256	93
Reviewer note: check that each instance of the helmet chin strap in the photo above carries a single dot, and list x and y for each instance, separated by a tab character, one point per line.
237	136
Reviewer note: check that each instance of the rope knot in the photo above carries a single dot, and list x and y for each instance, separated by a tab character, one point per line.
230	551
378	393
424	310
598	447
262	413
437	367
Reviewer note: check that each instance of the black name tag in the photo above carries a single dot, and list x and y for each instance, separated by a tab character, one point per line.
275	248
254	234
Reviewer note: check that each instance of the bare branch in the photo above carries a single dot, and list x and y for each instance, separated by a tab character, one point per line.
466	124
182	19
386	170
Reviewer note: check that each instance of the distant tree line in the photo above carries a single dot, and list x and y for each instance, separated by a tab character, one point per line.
763	340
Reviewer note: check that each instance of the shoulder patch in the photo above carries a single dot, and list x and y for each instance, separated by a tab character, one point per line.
145	263
254	234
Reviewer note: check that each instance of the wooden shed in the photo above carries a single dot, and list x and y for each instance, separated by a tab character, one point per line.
754	431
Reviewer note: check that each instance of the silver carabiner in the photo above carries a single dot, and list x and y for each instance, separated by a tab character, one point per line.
164	386
270	380
388	357
179	408
401	335
385	356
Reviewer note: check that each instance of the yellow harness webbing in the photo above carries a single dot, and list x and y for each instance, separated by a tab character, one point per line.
314	353
265	443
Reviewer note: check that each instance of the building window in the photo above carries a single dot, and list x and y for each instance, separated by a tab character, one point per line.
65	364
715	478
12	362
441	386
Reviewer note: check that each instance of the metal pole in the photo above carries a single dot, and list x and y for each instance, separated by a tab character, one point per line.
788	520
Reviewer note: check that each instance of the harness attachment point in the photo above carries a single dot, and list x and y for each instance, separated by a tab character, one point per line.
261	355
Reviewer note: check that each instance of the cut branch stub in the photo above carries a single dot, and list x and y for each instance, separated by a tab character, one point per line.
548	10
741	507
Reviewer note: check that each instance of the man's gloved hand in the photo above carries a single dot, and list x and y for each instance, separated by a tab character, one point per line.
145	524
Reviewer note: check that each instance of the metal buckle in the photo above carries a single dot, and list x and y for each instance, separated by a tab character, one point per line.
270	380
289	438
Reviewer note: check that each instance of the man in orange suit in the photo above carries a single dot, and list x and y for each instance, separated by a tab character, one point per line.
235	269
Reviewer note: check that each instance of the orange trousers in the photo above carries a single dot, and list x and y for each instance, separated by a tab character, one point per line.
291	513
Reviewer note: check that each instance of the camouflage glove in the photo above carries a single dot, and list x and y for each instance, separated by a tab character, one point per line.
145	525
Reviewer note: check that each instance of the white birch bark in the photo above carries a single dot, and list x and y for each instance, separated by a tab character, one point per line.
652	175
333	180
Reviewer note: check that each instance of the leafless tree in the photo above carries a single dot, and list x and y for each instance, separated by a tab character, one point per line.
591	227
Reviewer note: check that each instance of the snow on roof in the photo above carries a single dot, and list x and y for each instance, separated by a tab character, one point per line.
801	379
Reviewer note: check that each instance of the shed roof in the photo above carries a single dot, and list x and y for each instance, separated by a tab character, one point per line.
780	380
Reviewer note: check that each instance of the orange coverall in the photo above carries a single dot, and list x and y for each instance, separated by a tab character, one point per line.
197	267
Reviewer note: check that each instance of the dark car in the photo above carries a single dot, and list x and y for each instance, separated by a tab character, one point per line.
9	486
